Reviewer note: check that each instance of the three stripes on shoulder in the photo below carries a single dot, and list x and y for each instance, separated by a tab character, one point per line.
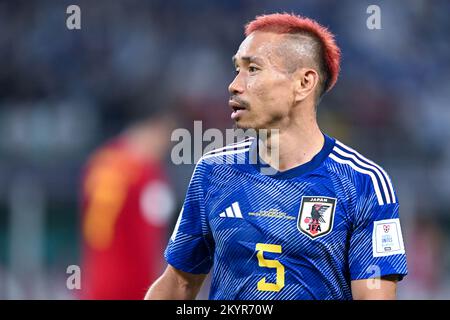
234	148
381	182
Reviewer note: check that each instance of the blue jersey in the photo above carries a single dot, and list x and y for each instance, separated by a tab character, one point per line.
304	233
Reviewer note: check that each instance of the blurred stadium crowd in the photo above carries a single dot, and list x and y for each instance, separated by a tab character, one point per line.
63	93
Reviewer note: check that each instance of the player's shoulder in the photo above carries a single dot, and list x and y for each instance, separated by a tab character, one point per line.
220	159
365	174
229	154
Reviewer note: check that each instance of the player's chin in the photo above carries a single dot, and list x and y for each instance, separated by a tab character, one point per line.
243	125
247	122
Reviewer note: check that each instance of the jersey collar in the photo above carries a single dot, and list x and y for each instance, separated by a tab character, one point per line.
300	170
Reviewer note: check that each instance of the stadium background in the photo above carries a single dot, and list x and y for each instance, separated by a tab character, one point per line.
63	93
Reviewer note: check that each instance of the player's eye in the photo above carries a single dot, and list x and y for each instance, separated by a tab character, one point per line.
252	69
236	70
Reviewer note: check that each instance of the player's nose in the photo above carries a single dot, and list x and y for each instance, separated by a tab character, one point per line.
236	86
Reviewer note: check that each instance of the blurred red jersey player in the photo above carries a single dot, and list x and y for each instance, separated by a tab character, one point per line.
126	208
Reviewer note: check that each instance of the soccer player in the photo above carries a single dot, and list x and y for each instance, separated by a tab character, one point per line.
321	226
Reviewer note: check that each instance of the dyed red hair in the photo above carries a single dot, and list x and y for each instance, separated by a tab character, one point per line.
289	23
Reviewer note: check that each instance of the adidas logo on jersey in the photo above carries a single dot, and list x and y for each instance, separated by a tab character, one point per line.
232	212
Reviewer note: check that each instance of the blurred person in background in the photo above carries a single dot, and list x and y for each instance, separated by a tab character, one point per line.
126	208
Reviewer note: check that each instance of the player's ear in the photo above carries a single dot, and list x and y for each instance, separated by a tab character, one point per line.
306	81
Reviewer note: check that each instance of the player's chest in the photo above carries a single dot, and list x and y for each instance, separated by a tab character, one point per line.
289	213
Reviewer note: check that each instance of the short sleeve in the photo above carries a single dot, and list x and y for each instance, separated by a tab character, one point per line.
376	242
190	246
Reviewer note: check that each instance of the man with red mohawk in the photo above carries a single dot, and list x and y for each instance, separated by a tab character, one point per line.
323	224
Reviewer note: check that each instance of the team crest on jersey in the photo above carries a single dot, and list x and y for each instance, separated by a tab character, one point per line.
316	215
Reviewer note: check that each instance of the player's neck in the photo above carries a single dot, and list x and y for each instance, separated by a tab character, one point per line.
293	146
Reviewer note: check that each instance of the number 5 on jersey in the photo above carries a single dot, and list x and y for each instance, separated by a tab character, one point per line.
265	263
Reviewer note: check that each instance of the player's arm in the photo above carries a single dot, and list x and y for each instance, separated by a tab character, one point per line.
377	257
190	247
175	284
384	288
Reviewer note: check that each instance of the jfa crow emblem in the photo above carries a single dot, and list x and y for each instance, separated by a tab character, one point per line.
316	215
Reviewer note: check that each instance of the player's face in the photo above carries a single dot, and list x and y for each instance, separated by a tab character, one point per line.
262	93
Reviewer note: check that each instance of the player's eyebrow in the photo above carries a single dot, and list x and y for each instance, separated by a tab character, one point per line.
247	59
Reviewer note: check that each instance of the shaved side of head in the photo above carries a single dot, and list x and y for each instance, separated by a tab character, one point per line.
306	44
303	51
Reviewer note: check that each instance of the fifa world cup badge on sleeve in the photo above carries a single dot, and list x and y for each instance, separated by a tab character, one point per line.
387	238
316	215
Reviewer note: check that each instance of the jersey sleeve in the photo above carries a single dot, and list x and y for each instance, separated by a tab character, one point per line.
190	247
376	243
